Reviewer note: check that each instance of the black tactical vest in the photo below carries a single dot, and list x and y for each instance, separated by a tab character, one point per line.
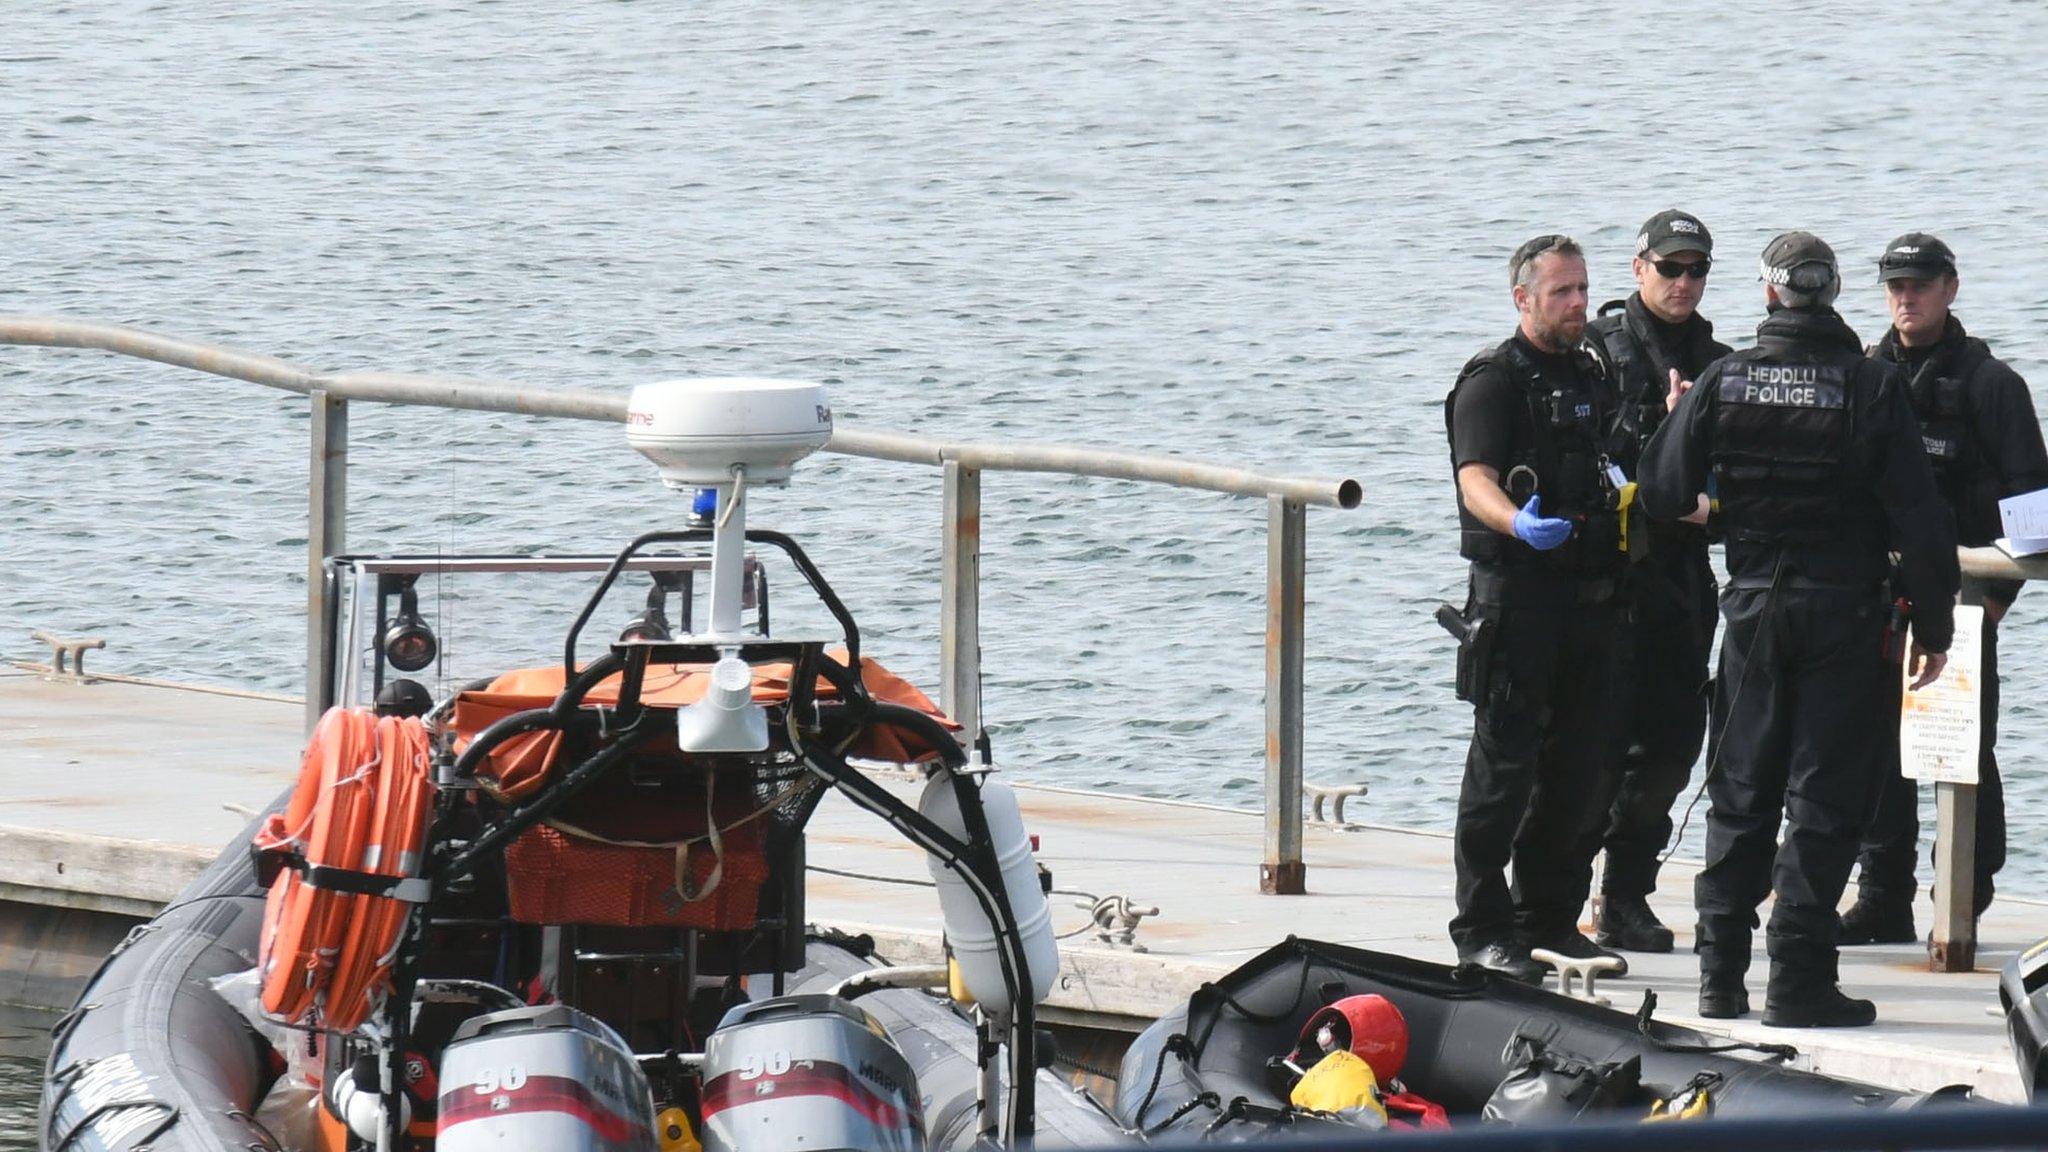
1558	455
1639	393
1782	432
1940	401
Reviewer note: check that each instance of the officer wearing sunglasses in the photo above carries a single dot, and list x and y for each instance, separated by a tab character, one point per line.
1656	338
1978	426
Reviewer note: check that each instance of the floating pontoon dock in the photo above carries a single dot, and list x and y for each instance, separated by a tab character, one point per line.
118	793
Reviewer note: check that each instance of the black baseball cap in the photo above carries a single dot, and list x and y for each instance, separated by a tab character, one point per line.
1673	231
1798	260
1916	256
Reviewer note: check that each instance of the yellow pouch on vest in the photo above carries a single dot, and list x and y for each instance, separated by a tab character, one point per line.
1628	499
1340	1082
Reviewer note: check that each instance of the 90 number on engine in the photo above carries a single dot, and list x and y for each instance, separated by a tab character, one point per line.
757	1064
510	1078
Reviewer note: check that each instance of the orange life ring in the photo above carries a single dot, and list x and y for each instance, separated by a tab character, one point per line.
362	804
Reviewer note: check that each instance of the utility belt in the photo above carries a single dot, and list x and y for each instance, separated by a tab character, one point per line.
1495	590
1800	582
1528	586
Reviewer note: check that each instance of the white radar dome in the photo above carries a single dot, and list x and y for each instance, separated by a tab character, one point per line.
696	430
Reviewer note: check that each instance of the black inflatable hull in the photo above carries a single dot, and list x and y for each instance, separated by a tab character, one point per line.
1205	1068
150	1055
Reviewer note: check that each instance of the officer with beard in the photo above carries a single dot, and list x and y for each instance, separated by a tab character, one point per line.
1655	339
1817	462
1977	423
1538	519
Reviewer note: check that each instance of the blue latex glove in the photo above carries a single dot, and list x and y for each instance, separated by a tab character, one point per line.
1538	531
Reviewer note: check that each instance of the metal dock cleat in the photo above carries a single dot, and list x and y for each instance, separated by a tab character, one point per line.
1586	971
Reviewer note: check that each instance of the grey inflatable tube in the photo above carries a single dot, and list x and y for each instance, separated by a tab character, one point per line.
150	1055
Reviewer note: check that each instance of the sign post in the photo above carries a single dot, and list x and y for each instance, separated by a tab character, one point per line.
1940	735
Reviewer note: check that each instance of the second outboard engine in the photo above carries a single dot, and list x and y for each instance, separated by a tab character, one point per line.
812	1072
548	1077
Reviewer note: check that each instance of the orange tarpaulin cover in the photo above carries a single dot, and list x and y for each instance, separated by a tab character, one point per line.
518	766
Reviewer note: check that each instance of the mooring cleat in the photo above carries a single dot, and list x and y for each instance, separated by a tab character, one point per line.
1586	971
1336	794
65	646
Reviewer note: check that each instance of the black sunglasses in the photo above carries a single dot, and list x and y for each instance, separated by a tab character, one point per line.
1673	269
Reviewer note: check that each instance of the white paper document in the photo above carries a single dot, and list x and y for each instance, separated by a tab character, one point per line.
1939	727
2025	519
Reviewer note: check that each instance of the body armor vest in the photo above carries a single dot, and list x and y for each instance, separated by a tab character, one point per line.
1938	392
1782	431
1558	455
1639	385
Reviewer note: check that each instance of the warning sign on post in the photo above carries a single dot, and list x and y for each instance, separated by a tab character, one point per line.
1939	725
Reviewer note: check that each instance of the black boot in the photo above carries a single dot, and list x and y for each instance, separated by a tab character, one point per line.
1573	943
1723	996
1805	1006
1626	922
1876	921
1504	958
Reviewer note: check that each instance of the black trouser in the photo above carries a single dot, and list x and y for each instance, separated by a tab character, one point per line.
1539	775
1889	848
1664	686
1797	725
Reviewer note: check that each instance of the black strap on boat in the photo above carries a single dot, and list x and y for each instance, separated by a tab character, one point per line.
408	889
1643	1022
1229	1001
1205	1100
1176	1044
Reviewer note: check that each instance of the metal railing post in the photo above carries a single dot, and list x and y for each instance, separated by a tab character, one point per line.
326	533
1283	873
1952	946
960	601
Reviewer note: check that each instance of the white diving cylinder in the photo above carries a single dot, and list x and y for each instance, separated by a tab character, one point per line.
968	928
363	1111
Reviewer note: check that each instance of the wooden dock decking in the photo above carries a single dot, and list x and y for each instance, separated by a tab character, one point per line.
116	794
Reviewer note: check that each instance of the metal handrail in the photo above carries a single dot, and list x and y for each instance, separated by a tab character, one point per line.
961	461
1994	564
575	404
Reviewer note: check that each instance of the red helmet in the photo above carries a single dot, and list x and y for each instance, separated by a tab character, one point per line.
1369	1025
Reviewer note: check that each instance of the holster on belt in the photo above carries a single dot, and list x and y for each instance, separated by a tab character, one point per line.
1474	634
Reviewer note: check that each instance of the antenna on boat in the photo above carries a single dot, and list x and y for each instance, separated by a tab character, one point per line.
728	434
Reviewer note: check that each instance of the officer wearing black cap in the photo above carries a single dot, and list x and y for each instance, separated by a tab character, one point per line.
1656	338
1538	518
1817	464
1977	423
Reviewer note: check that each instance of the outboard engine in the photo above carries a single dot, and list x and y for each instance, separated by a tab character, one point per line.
2023	992
810	1072
548	1077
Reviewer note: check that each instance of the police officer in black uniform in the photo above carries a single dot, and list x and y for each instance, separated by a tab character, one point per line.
1656	338
1816	460
1977	424
1538	519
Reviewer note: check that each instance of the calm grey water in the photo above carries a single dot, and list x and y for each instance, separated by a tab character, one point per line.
1265	233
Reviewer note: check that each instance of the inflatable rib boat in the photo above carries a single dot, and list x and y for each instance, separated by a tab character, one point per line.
1477	1046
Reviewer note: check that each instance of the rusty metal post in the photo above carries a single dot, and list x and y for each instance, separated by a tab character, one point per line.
960	601
1283	873
326	533
1952	946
